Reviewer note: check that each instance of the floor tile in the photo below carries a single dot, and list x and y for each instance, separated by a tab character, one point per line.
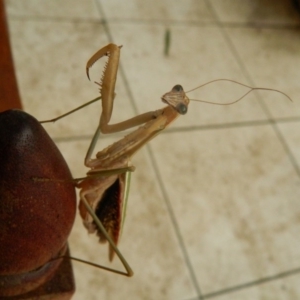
268	52
235	197
276	12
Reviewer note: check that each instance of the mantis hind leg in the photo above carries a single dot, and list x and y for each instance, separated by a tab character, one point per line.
100	226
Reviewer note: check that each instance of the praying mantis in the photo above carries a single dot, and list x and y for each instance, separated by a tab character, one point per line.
104	191
103	199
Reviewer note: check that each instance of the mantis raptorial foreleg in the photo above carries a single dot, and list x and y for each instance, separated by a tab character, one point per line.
107	91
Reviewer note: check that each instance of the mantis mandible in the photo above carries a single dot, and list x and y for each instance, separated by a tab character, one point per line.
104	191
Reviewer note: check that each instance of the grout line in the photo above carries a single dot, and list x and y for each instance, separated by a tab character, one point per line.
231	125
260	25
55	19
186	129
104	19
121	69
212	23
175	225
252	283
286	25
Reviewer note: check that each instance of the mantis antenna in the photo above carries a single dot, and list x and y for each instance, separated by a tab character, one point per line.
251	89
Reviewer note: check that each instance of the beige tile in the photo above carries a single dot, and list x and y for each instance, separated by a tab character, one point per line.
265	12
235	196
56	9
148	243
164	11
271	58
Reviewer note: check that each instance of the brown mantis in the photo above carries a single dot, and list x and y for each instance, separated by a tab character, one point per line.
104	192
107	195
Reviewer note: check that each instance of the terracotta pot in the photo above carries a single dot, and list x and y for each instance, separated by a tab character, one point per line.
37	200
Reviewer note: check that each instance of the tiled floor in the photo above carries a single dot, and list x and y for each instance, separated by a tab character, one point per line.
214	209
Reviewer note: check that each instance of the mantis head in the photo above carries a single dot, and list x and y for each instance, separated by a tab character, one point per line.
177	99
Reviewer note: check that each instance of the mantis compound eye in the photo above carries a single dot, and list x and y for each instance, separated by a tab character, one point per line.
178	88
181	108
